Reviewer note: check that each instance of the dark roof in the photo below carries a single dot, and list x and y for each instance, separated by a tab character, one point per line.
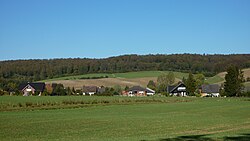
212	88
137	88
171	89
87	89
39	86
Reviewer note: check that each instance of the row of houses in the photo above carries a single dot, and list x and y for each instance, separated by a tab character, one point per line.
177	90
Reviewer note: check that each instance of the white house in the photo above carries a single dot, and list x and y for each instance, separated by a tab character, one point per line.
179	90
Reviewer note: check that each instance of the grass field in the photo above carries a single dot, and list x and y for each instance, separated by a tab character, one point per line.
140	74
123	79
129	79
214	79
170	119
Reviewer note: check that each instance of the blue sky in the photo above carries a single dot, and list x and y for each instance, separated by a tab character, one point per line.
31	29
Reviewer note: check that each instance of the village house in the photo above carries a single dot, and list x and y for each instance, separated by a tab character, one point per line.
150	92
179	90
211	90
89	90
138	91
32	88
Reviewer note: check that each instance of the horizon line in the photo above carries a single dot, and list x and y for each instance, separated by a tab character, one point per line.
56	58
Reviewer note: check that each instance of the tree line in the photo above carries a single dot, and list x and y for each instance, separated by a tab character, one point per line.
14	72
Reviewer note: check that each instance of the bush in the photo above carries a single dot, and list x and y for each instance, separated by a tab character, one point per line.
245	94
165	94
198	95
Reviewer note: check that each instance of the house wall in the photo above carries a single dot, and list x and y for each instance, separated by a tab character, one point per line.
28	90
139	93
210	94
150	93
179	94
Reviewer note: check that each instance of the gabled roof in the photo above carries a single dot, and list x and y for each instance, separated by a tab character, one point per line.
170	89
212	88
137	88
148	90
38	86
87	89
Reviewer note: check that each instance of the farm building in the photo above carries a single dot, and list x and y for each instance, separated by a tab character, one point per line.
210	90
32	88
179	90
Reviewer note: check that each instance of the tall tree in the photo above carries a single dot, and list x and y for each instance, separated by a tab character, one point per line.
190	84
165	80
151	85
126	88
162	83
199	79
233	84
171	78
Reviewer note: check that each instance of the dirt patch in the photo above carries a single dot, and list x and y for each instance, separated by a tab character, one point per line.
246	73
108	82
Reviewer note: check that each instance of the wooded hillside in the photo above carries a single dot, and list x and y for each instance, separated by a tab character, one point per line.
33	70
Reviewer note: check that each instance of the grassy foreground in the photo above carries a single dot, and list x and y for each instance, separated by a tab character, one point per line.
171	119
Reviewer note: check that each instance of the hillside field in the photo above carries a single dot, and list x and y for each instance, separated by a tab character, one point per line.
173	119
122	79
129	78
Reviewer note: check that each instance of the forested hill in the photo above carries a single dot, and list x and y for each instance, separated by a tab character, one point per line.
32	70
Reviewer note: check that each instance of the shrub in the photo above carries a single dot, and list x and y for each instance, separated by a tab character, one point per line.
165	94
198	95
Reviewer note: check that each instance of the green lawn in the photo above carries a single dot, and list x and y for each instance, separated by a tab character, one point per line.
142	74
196	118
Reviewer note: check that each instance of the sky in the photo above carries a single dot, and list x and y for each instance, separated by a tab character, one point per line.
45	29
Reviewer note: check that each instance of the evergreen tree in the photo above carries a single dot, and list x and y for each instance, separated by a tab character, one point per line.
126	88
59	90
190	84
151	85
233	84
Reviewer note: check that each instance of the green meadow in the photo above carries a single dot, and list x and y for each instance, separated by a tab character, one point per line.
139	74
126	119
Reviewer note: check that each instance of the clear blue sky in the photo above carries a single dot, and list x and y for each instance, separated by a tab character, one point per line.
31	29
